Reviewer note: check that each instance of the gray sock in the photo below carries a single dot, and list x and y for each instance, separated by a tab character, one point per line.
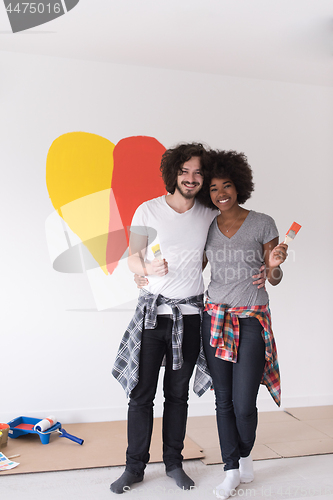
125	481
181	478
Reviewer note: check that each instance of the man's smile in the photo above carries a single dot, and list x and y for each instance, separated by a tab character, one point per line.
190	185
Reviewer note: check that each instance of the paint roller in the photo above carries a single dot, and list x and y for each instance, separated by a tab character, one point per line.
47	423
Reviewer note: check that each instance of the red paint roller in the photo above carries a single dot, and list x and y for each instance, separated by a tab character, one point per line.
48	423
43	428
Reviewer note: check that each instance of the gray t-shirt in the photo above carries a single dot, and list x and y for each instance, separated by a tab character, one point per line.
234	261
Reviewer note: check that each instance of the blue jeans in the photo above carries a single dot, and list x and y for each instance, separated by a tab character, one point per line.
155	344
236	387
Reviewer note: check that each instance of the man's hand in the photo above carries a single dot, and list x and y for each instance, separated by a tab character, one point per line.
260	278
158	267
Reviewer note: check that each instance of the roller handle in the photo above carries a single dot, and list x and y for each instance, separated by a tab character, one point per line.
70	436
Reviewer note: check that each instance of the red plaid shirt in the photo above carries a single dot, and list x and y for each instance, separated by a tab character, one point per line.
225	337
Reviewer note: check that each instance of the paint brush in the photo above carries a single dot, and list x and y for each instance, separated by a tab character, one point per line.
157	252
293	230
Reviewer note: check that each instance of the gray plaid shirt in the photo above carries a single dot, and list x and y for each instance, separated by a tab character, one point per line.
126	366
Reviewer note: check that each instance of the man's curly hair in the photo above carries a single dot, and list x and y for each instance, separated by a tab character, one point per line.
228	165
173	160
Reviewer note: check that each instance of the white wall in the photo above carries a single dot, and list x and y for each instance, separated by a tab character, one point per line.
56	350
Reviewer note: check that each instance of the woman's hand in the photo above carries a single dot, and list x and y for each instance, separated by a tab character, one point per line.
140	281
278	255
275	254
261	277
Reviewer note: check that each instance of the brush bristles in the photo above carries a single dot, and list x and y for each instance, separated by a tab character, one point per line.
294	228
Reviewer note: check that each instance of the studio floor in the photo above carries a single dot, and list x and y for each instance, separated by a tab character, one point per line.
293	459
283	479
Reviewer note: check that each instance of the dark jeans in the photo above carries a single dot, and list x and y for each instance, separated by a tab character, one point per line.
236	387
155	344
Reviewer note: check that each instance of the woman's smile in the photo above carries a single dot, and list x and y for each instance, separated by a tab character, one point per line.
223	193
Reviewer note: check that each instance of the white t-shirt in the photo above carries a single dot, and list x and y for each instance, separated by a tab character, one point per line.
182	238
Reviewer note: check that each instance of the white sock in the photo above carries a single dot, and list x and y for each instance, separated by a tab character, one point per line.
246	469
227	487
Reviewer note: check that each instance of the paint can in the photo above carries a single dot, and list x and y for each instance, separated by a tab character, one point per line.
4	428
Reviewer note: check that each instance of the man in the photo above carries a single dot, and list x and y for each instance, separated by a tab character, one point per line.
166	324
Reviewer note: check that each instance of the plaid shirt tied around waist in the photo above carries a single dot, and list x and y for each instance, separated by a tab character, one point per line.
126	365
225	337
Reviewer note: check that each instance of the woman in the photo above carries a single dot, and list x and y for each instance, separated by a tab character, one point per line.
237	339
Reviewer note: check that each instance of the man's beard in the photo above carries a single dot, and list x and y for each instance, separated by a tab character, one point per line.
187	195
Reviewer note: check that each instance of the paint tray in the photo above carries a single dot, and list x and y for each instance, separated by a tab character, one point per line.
25	425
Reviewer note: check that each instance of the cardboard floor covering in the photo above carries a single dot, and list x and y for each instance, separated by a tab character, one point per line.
293	432
289	433
104	446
